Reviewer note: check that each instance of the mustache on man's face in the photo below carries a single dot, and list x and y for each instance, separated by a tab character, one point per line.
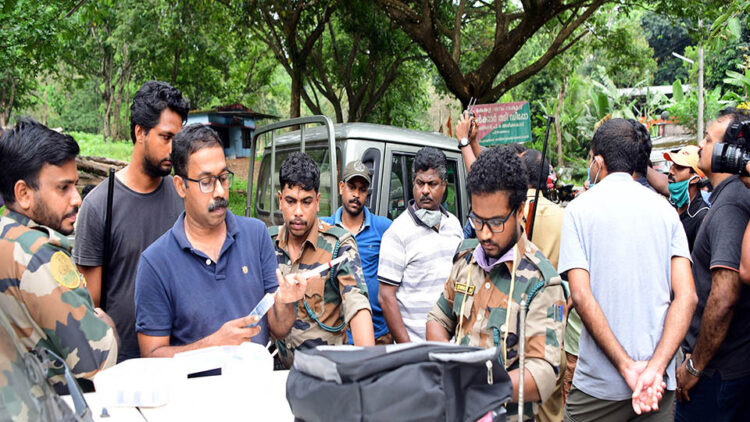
218	203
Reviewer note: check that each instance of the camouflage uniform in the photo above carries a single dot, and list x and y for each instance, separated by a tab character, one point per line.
44	298
324	295
25	394
485	312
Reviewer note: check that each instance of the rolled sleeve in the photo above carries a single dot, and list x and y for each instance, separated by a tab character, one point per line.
153	312
351	281
544	376
443	315
544	337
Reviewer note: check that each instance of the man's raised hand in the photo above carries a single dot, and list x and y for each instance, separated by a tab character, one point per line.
291	288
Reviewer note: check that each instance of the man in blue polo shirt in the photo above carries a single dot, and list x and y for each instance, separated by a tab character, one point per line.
367	229
198	282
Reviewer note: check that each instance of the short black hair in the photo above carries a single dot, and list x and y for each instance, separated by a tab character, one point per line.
737	116
430	158
189	140
644	146
299	169
151	100
532	159
499	169
617	141
25	149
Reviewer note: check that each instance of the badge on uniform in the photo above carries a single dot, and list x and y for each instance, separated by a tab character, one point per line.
465	288
63	270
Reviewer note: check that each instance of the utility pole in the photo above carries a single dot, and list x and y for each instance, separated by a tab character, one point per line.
700	85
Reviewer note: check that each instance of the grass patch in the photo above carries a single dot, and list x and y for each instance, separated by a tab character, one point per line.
91	144
238	196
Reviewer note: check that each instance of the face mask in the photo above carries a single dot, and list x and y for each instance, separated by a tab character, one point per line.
588	174
678	192
430	217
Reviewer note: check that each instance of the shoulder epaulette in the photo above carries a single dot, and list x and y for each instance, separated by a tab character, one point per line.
465	248
545	267
273	231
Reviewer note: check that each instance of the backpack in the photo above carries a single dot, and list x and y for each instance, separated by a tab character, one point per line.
402	382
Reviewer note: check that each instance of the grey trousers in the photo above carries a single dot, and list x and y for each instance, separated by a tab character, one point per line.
580	407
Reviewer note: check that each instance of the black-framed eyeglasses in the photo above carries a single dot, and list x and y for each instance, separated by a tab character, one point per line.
207	184
496	224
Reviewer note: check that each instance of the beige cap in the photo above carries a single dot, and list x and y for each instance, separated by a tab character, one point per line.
687	157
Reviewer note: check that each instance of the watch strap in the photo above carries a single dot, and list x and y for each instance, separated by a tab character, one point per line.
691	368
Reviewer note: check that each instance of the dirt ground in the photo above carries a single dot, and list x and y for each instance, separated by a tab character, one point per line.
239	166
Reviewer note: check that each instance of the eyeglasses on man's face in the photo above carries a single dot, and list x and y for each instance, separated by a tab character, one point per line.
207	184
496	224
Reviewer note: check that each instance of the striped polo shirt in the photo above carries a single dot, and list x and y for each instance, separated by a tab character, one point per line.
418	259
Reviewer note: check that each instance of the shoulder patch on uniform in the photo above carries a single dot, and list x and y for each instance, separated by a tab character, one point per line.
273	231
63	270
467	246
336	231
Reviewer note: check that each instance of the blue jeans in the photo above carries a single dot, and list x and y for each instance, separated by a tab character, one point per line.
712	399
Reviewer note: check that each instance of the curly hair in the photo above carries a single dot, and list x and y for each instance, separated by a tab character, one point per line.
499	169
429	158
298	169
188	141
151	100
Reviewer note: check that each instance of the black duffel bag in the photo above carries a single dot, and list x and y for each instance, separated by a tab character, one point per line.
405	382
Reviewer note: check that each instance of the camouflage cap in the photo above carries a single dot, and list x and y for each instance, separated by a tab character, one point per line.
356	169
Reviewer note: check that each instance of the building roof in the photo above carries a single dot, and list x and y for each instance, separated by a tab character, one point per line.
235	110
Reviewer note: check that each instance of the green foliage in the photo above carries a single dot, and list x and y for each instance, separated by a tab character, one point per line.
95	145
685	110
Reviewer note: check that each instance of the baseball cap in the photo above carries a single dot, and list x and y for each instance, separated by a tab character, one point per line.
687	157
356	169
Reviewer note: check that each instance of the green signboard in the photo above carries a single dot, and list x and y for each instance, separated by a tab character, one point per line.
503	123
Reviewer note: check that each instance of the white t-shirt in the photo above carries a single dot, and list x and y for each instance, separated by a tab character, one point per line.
418	259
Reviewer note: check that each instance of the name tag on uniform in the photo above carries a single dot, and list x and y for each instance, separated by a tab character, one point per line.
465	288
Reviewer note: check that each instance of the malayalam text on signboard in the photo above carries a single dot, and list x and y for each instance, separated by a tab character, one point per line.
503	123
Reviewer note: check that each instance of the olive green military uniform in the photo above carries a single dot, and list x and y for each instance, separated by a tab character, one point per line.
332	298
44	298
485	322
25	394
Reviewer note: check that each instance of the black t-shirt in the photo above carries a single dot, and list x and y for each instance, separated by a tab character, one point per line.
138	219
693	217
718	245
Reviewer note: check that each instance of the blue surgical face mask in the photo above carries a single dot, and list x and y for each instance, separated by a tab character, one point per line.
678	192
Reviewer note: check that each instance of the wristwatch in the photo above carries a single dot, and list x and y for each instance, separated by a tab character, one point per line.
691	368
463	142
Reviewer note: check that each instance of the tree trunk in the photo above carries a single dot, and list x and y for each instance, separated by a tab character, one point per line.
176	66
6	101
294	105
559	111
122	85
107	93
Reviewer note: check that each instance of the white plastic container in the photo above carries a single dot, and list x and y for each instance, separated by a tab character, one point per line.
145	382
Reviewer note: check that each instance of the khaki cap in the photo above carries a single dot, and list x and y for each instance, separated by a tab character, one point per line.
686	157
356	169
